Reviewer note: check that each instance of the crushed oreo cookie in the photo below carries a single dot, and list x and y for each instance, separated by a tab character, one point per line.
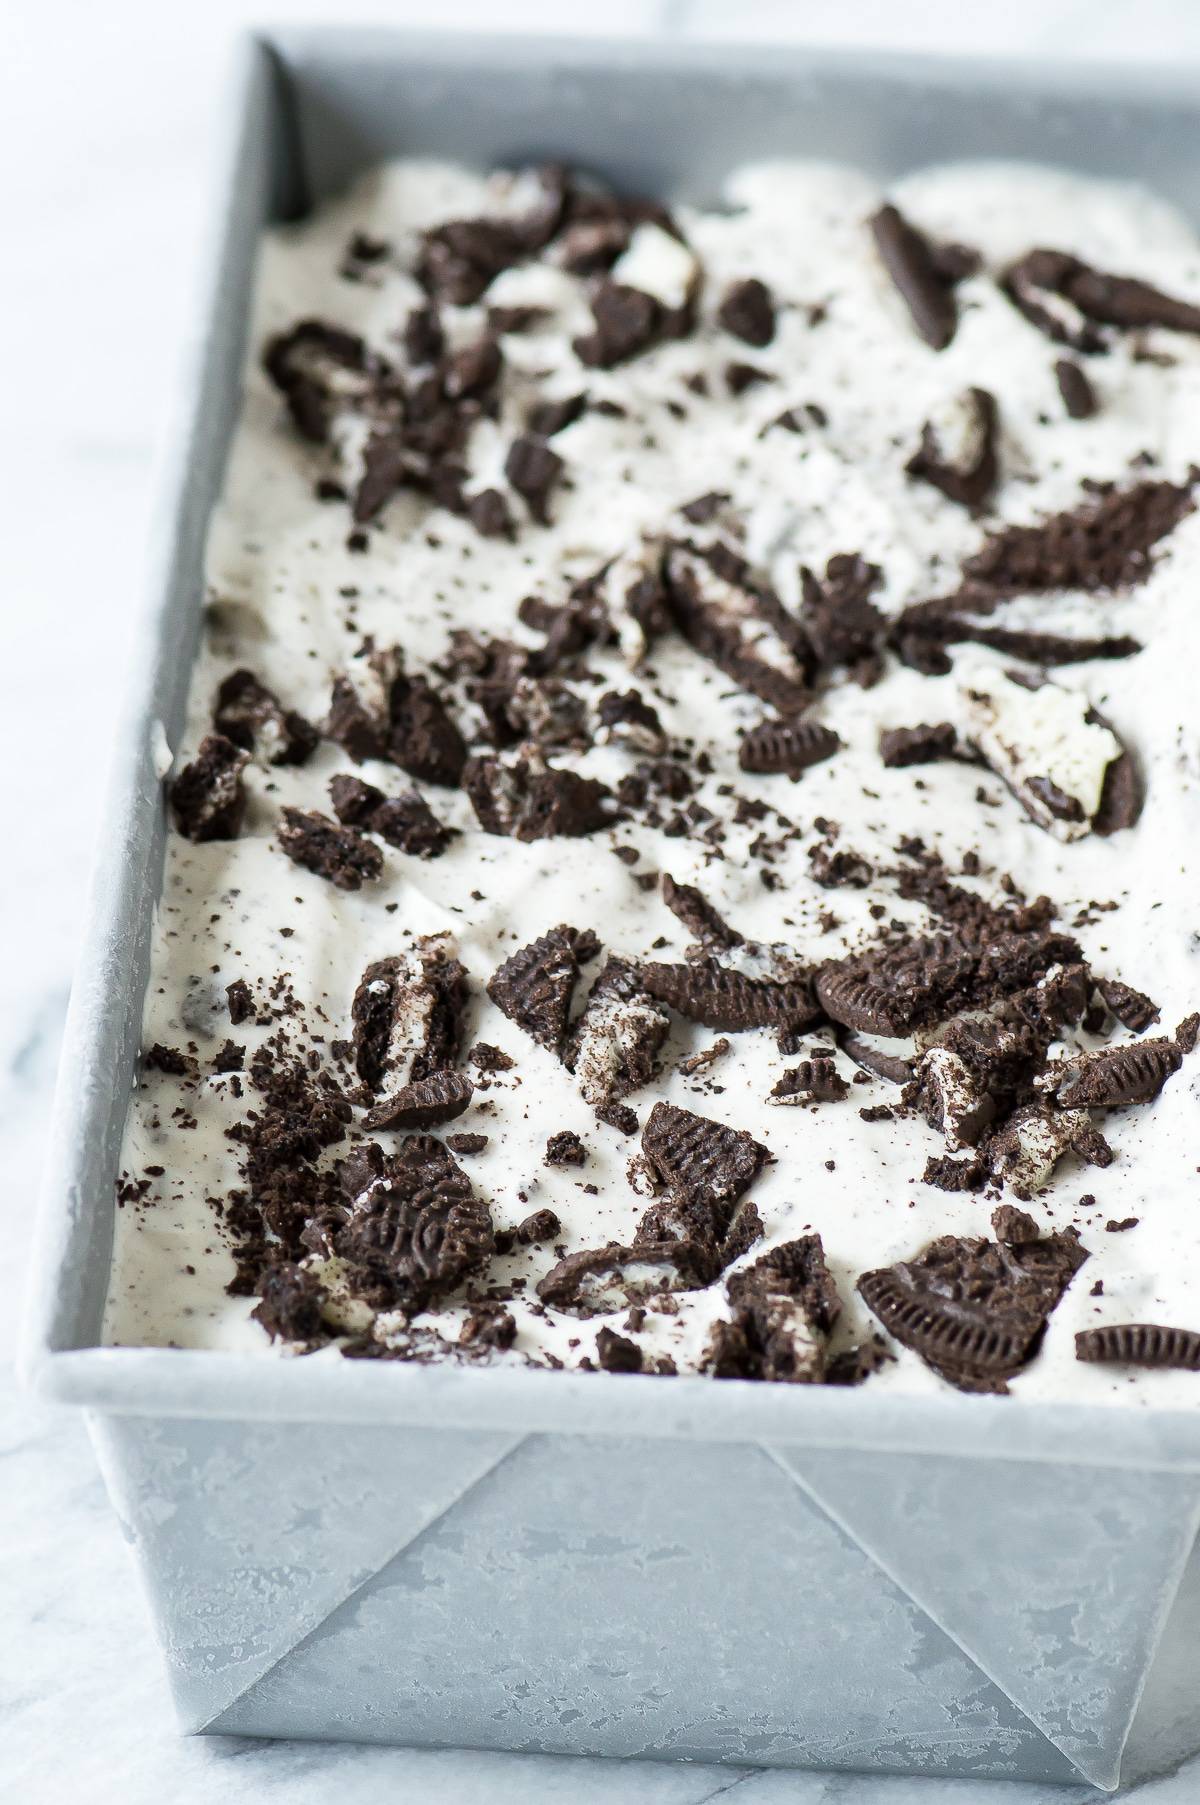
534	986
789	747
208	797
1140	1344
957	453
406	821
427	1103
974	1310
339	854
252	716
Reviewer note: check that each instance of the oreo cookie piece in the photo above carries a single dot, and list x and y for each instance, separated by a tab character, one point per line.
952	1097
616	1353
533	469
625	322
1074	385
957	453
600	1280
289	1306
422	736
339	854
407	1015
877	1060
614	1046
1116	1076
1132	1008
208	797
923	745
415	1228
697	914
252	716
547	417
783	1310
489	513
1070	301
1025	1150
1140	1344
1051	750
406	821
427	1103
360	703
320	370
812	1081
838	868
529	799
974	1310
924	276
712	598
1104	544
627	719
565	1149
699	1157
534	986
844	628
889	991
709	993
789	747
747	310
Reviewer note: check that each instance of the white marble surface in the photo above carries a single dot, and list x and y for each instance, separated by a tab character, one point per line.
106	117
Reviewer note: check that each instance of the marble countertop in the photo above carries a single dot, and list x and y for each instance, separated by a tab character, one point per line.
106	117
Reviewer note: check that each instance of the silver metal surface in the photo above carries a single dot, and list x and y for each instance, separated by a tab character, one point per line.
593	1563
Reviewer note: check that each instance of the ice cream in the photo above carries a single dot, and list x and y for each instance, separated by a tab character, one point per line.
629	638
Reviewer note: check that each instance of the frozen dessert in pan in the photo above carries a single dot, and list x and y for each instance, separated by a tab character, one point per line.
682	852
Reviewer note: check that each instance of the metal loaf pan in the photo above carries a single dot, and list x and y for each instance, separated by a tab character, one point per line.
598	1563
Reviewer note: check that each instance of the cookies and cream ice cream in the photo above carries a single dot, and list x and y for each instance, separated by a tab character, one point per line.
682	844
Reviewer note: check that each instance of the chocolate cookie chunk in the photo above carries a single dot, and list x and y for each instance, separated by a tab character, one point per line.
699	1156
614	1045
748	311
1103	544
1074	385
1116	1076
616	1353
697	914
565	1149
406	821
1069	300
902	746
408	1015
957	453
531	800
425	1104
812	1081
716	997
336	853
319	369
208	797
416	1228
923	278
974	1310
1132	1008
783	1311
289	1306
534	986
600	1280
252	716
422	736
787	746
533	469
1140	1344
